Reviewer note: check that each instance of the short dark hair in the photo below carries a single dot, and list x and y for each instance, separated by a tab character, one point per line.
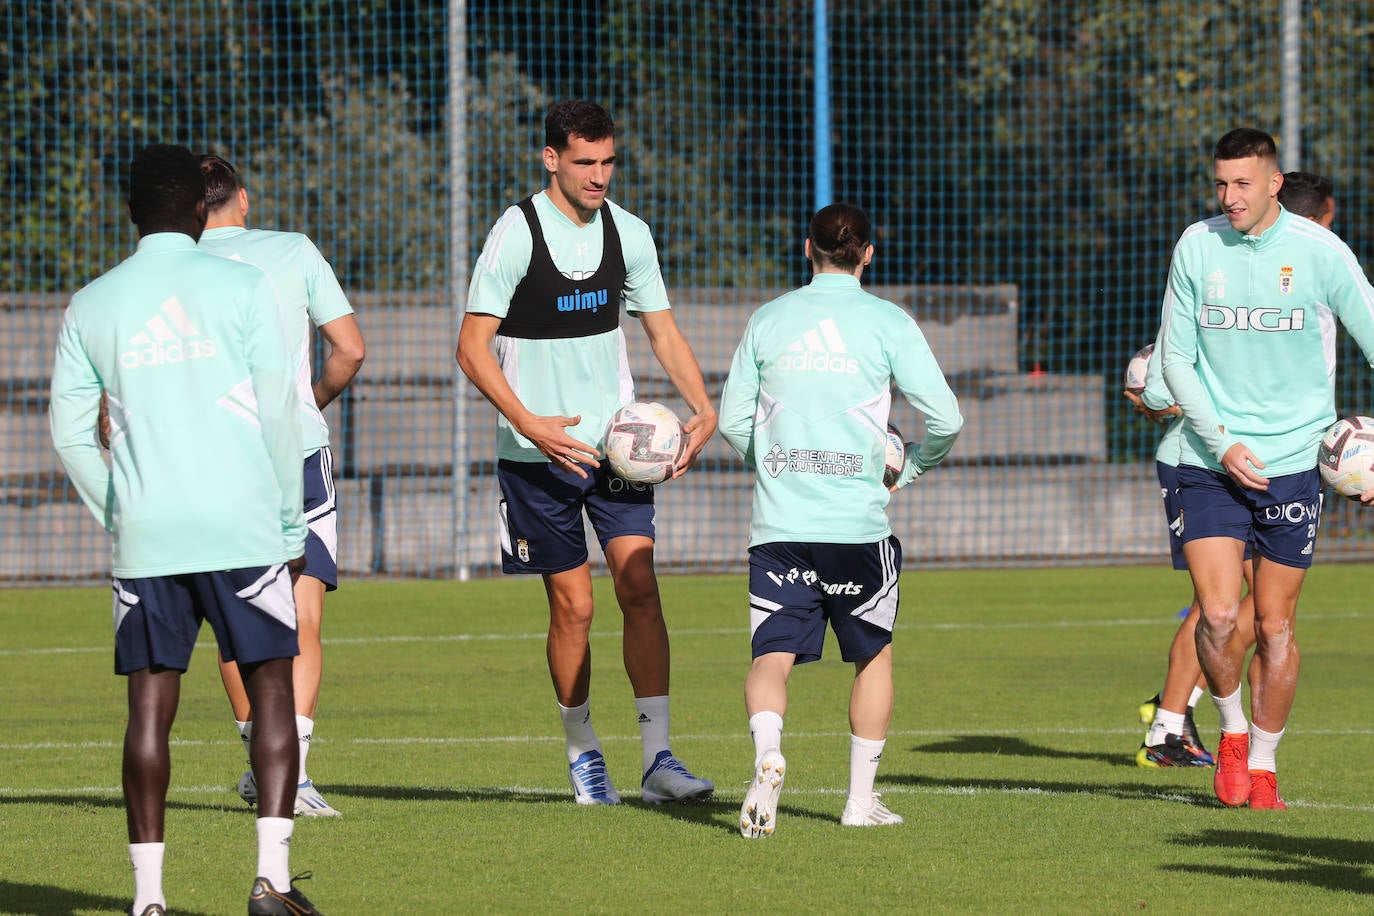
1306	194
165	185
221	181
839	234
1244	142
587	120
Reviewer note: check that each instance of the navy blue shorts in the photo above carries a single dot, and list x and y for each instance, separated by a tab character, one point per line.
1173	513
322	517
541	514
1280	522
794	588
157	619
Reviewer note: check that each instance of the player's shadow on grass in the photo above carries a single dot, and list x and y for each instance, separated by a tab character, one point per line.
1322	862
44	899
1008	746
100	801
1142	791
707	813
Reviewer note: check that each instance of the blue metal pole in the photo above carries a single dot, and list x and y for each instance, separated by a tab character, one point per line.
825	188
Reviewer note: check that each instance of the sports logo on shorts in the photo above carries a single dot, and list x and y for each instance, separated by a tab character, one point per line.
522	550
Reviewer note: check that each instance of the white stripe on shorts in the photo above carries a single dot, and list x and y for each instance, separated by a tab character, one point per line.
881	609
760	609
272	595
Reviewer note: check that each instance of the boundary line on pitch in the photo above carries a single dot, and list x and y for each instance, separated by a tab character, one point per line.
718	631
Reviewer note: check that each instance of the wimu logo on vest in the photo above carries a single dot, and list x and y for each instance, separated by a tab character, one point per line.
1223	318
580	301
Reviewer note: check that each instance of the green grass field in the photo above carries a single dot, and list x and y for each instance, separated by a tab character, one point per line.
1011	758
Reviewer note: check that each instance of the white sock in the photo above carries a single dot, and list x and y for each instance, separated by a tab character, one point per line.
864	756
146	859
578	731
1231	713
1263	744
766	730
274	851
653	728
1194	697
246	735
305	733
1165	723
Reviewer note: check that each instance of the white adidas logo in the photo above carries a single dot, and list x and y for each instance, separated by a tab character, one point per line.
820	349
1216	276
166	339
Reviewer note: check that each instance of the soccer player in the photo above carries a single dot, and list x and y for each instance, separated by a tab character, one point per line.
1249	309
202	496
309	294
806	405
546	294
1312	196
1173	739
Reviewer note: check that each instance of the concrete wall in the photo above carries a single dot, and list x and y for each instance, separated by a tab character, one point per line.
1027	481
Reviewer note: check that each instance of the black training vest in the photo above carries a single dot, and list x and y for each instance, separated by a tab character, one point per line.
547	305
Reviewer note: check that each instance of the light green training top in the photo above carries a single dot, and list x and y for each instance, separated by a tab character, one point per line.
308	292
205	448
806	405
581	376
1157	397
1249	338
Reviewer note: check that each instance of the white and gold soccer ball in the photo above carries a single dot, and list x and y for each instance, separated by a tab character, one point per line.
644	442
1346	456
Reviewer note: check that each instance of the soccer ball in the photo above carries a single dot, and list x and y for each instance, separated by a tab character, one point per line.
1346	456
644	442
1135	369
894	456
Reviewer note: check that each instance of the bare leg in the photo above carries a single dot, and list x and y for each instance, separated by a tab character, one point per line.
570	621
153	697
1274	671
274	751
1185	671
1216	565
645	647
765	687
233	688
871	699
308	669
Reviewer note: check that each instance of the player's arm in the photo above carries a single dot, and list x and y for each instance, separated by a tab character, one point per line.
274	389
922	382
333	316
675	354
72	410
549	434
346	354
739	400
1178	331
1154	402
1352	299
